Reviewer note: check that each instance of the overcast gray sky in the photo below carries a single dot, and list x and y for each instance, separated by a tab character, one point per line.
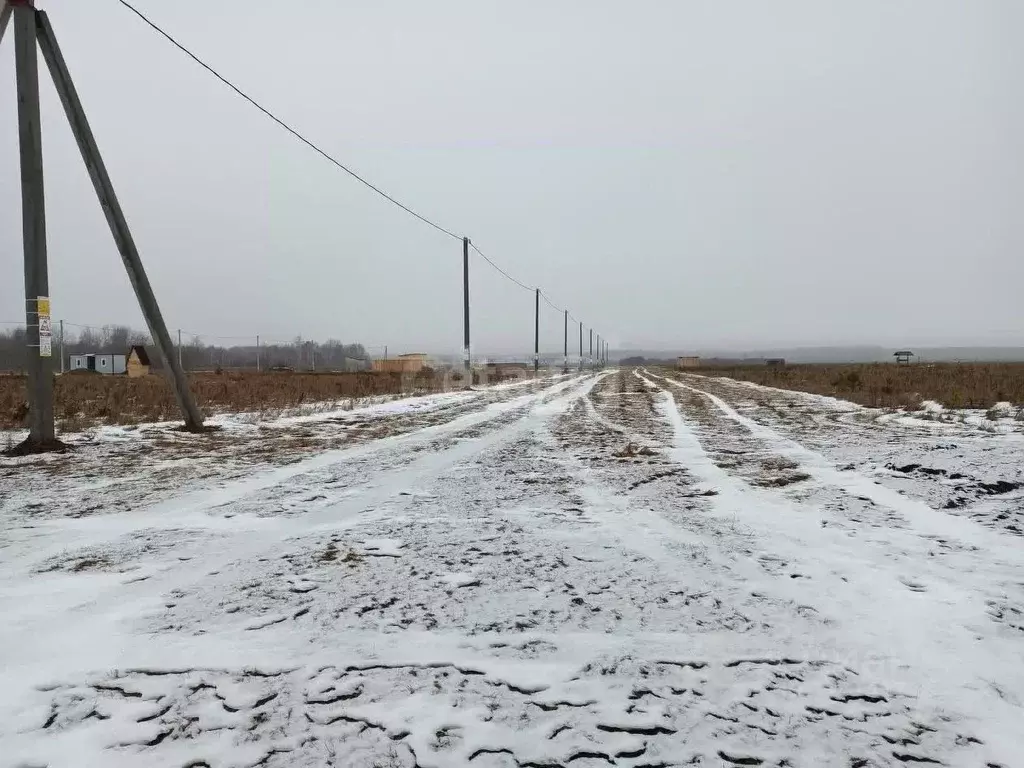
678	174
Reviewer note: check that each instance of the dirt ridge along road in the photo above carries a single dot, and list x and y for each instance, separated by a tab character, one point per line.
573	582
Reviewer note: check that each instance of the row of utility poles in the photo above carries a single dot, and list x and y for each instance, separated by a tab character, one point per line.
602	345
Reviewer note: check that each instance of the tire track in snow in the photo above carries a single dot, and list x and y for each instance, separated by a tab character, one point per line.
924	519
960	468
606	648
928	641
100	609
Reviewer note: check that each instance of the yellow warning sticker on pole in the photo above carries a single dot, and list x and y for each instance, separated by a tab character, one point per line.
45	329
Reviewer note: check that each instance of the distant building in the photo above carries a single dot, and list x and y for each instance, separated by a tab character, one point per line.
775	362
903	356
108	364
411	363
692	361
138	362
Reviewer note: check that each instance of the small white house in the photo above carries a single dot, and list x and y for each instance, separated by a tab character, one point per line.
99	363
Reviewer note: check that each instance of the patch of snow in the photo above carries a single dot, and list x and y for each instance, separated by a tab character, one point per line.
461	580
383	547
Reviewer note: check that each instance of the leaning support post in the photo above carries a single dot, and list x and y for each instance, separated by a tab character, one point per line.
115	219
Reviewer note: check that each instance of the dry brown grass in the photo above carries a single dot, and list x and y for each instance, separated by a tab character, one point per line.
955	385
84	399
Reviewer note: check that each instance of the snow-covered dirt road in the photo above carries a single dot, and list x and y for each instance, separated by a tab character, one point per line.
625	568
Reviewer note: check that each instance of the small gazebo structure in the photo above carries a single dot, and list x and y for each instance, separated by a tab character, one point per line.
903	356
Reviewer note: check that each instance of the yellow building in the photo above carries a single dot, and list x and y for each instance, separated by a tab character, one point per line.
138	361
411	363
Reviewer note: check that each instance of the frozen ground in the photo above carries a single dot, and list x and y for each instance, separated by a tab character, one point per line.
614	569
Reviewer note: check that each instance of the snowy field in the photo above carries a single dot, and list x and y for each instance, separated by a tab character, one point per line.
617	569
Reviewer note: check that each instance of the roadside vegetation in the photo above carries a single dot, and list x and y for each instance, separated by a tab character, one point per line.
886	385
86	399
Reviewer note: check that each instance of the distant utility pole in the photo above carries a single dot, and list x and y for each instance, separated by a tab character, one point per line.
581	343
257	353
179	348
536	332
62	357
31	27
597	360
590	358
565	362
465	309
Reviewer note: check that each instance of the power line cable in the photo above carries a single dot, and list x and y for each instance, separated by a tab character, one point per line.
181	47
282	123
502	271
551	303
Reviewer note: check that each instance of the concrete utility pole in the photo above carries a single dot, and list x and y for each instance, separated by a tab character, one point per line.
565	362
597	360
590	357
115	218
581	343
536	332
62	356
33	217
257	353
465	309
